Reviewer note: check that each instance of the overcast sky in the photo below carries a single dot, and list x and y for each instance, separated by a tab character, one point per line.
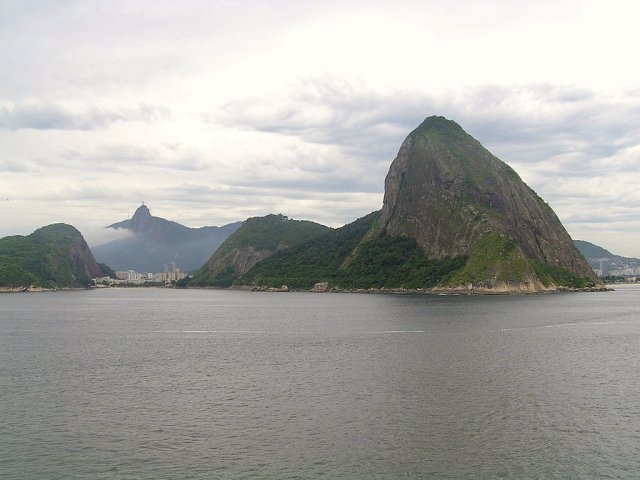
214	111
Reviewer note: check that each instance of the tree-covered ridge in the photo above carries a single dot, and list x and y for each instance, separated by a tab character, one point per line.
395	262
351	257
106	270
52	256
255	241
314	261
347	259
606	263
273	232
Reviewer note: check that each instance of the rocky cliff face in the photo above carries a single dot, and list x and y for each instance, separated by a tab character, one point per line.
451	195
82	260
67	251
237	260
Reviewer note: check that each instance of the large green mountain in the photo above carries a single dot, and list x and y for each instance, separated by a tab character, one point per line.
454	218
52	256
153	242
256	240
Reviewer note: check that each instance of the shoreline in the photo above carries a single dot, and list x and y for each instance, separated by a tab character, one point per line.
369	291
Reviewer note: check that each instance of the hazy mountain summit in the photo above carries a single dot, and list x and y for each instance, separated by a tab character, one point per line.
454	218
160	229
593	251
155	242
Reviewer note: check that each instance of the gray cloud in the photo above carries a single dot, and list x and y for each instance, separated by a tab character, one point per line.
331	112
530	123
16	167
546	132
127	158
571	144
92	46
53	116
73	125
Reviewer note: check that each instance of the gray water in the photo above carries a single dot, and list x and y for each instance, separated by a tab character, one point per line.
144	383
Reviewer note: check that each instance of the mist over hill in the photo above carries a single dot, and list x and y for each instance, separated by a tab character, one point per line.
154	243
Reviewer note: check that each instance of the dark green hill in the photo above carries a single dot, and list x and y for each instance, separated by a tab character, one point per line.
256	240
154	242
341	258
51	257
317	260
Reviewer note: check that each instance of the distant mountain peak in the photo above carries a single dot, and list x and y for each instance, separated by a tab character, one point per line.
141	219
142	211
157	241
436	122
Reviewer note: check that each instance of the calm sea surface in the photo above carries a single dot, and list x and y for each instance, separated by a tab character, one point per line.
152	383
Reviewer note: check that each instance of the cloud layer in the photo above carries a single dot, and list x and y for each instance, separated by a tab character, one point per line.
212	112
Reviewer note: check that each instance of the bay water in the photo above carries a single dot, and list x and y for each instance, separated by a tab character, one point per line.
199	384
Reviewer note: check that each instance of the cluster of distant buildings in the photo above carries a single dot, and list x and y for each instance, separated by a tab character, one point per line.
628	269
131	277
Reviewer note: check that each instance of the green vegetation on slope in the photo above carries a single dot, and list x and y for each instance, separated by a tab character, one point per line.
395	262
549	274
258	238
385	261
494	257
272	232
41	259
106	270
314	261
